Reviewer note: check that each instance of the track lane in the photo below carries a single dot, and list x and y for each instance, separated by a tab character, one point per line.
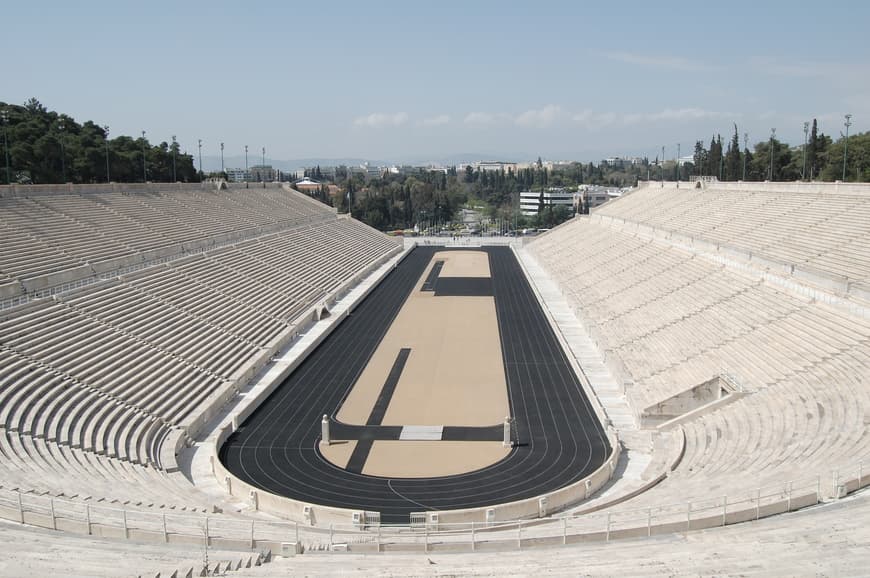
561	439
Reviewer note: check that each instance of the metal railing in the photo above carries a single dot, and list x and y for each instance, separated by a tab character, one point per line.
229	531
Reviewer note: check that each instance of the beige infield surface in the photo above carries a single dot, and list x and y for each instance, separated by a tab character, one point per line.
454	376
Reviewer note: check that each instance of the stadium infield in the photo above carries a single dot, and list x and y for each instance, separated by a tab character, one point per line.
375	467
438	365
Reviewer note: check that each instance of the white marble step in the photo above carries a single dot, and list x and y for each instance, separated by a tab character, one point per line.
606	387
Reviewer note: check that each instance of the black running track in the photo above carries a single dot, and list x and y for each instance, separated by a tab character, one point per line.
560	440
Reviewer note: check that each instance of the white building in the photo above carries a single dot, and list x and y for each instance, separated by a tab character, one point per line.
238	175
531	200
594	196
372	172
494	166
263	173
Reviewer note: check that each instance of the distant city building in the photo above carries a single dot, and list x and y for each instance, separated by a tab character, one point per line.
620	162
238	175
307	185
494	166
531	200
263	173
372	172
404	170
593	196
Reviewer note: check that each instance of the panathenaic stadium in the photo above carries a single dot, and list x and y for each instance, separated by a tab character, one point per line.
210	380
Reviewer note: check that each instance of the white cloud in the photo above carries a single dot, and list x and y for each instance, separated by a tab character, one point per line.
594	120
539	118
597	120
536	117
658	61
381	119
671	114
439	120
483	118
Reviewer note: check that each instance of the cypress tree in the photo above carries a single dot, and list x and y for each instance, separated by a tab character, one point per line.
732	158
813	150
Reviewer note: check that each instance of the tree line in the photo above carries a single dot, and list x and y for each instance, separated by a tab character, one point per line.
819	158
43	146
401	201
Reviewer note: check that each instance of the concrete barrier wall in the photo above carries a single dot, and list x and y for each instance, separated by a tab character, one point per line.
186	535
234	533
529	507
323	516
273	504
673	461
824	279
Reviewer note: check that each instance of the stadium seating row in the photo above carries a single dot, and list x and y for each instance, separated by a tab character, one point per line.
95	380
669	318
810	226
51	242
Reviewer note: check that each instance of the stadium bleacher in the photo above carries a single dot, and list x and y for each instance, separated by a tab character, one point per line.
94	380
126	316
670	317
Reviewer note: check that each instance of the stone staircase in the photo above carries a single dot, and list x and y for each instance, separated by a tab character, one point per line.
604	384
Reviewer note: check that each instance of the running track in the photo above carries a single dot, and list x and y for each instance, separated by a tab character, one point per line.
560	438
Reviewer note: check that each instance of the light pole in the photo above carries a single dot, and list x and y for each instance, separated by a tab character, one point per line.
804	170
174	178
199	144
264	167
144	166
662	161
222	158
60	127
106	131
848	123
4	116
772	136
246	166
678	165
745	152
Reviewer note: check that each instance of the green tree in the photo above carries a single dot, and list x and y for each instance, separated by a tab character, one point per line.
42	152
733	166
699	158
813	151
714	158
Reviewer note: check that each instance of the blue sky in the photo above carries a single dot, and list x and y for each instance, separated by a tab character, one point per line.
424	80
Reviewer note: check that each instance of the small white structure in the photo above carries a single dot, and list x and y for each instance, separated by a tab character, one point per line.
324	429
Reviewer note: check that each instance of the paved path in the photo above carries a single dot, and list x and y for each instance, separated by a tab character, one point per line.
560	440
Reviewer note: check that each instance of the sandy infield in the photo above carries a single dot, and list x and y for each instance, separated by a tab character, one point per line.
454	375
426	459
